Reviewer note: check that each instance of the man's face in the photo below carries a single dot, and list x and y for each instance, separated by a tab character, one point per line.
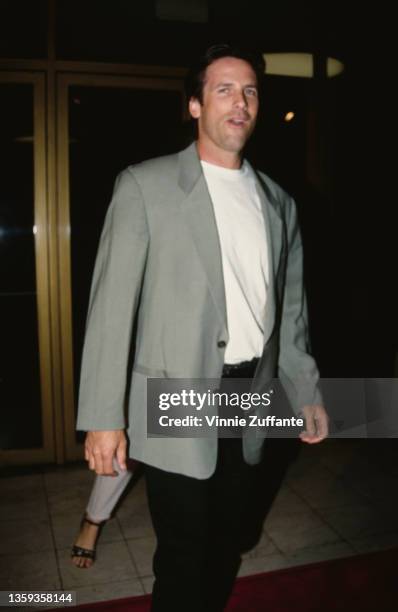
227	115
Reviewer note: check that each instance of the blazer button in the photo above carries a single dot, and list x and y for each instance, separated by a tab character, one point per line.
221	344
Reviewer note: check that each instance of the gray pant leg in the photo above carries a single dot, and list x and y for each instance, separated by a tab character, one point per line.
105	494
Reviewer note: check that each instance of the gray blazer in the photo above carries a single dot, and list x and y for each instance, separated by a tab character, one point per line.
159	260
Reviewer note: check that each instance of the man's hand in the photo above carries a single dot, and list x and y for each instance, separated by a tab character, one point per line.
101	447
316	423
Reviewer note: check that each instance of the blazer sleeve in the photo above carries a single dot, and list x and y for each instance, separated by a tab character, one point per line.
297	369
114	296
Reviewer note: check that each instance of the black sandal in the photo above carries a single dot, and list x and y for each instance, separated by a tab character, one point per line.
87	553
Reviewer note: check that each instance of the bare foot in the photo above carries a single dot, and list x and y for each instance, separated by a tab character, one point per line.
86	539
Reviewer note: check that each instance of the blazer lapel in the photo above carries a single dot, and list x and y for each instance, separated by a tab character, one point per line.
199	214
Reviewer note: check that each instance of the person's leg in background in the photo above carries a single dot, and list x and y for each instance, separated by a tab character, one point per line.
106	493
104	496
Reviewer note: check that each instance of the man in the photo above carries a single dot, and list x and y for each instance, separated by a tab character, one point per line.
205	255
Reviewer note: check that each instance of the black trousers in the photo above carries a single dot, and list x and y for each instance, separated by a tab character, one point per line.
201	531
203	526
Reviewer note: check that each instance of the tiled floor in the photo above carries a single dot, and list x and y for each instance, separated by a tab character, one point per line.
339	498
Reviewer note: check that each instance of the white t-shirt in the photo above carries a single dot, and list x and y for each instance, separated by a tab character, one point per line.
243	240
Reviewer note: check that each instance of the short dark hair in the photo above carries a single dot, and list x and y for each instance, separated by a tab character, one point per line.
195	79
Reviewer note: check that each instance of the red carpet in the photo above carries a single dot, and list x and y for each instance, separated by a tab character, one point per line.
364	583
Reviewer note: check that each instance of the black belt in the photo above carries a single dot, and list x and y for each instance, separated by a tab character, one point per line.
244	369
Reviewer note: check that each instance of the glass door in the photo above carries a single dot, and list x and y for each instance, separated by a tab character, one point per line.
26	430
